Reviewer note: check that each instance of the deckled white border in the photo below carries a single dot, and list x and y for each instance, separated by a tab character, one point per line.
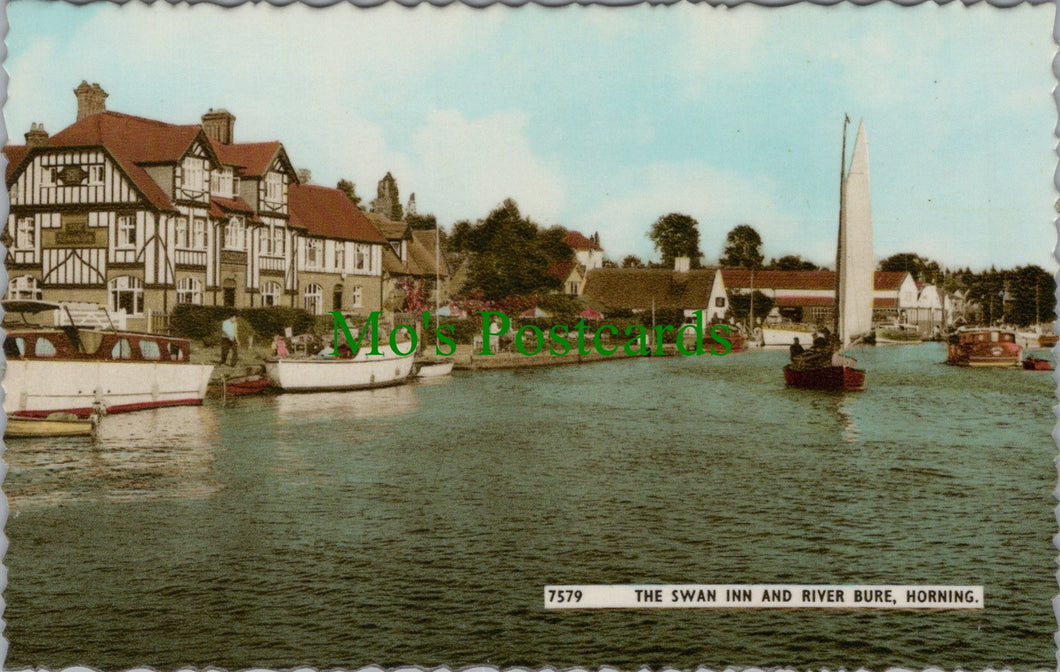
4	205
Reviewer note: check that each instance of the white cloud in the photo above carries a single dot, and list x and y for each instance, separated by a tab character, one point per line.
716	199
462	168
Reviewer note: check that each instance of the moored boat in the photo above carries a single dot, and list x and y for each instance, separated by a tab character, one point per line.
898	335
434	369
1048	340
1037	364
244	385
361	371
984	347
55	424
72	369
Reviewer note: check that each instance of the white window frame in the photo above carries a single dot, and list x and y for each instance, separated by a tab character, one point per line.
194	177
24	288
313	299
221	183
25	233
360	259
356	296
314	253
126	284
198	234
49	176
235	234
189	290
182	233
271	293
125	232
274	187
96	174
340	256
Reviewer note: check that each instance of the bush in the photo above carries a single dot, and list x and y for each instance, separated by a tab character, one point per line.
203	323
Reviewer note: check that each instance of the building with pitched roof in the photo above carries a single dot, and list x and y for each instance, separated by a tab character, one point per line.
809	296
641	289
142	215
412	256
587	250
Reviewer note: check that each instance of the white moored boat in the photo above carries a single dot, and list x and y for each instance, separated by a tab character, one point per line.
71	368
361	371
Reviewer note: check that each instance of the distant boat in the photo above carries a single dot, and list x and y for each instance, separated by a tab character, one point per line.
984	347
1048	340
362	371
898	335
71	368
822	367
1037	364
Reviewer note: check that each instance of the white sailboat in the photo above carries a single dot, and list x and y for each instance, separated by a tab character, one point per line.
822	367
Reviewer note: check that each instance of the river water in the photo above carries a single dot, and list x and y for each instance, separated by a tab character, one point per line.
419	524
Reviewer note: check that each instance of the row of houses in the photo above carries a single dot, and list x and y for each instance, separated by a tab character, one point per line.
796	296
142	215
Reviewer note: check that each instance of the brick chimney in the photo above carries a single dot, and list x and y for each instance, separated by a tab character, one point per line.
36	136
91	99
220	125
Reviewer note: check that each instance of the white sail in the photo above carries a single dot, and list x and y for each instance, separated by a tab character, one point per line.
856	263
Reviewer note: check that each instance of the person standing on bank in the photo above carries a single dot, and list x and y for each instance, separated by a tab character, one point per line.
229	339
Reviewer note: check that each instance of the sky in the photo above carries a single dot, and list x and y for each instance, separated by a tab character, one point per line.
604	119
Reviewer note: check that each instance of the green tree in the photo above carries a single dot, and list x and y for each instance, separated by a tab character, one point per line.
792	262
1028	296
350	189
632	261
921	268
743	248
510	254
676	235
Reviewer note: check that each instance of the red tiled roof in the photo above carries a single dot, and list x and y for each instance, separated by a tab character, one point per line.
579	242
809	301
785	301
740	278
14	154
890	280
253	157
219	206
560	270
135	138
131	141
328	212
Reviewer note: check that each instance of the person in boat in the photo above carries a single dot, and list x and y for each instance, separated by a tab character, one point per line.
229	339
820	339
796	349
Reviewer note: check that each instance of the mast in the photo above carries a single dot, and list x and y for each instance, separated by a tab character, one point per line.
437	269
836	321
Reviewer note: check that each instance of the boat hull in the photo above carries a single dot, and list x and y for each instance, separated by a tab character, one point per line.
1036	364
435	370
36	389
778	337
333	373
18	427
825	378
247	385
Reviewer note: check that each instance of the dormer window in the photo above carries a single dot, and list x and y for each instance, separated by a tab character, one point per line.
194	172
221	183
274	187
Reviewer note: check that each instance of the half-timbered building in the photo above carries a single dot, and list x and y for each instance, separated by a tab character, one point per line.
141	215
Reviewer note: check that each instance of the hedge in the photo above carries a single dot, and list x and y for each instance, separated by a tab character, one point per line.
204	322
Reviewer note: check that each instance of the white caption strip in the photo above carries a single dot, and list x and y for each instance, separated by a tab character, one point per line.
762	596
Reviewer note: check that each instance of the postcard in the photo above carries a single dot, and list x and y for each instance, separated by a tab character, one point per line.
653	337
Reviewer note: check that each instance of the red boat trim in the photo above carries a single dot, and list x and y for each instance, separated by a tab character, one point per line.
85	412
